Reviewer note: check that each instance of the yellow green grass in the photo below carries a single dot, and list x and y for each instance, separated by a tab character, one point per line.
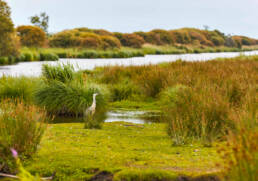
75	153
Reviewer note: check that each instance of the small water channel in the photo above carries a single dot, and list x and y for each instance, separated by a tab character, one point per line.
34	68
135	117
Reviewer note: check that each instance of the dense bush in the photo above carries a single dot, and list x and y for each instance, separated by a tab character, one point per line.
218	41
96	31
31	36
21	128
102	32
140	33
238	41
153	38
131	40
102	39
181	36
88	40
192	36
110	42
159	37
197	36
243	40
63	39
84	38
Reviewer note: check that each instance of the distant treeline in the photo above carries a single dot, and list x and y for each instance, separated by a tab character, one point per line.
31	36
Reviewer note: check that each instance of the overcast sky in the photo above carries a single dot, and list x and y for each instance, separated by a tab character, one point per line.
229	16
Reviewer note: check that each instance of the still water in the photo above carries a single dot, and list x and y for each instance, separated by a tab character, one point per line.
34	68
136	117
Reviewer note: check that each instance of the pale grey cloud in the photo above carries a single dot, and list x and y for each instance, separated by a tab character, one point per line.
229	16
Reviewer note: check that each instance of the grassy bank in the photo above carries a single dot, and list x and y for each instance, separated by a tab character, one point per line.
53	54
120	148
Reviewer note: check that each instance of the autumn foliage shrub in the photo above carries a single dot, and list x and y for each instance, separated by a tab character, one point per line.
84	38
131	40
159	37
95	31
110	42
243	40
181	36
63	39
31	36
88	40
102	39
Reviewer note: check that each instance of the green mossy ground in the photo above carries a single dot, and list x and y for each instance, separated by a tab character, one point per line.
152	105
130	152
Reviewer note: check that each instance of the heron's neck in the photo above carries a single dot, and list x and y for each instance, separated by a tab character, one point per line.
94	101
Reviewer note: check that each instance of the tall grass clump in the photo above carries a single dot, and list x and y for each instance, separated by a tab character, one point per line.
63	73
18	88
240	152
152	80
65	93
195	115
66	99
240	156
21	128
123	91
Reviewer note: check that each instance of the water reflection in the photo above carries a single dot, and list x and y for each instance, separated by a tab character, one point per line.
136	117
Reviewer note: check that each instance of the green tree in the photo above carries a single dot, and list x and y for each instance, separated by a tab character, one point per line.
41	21
8	39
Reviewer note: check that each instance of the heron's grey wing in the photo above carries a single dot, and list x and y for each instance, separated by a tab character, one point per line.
88	111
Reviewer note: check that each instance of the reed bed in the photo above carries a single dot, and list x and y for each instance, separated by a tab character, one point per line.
199	98
21	128
18	88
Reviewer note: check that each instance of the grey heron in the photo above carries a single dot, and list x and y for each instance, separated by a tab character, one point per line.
91	110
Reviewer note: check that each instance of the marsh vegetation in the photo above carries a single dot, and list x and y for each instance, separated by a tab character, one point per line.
208	112
206	128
